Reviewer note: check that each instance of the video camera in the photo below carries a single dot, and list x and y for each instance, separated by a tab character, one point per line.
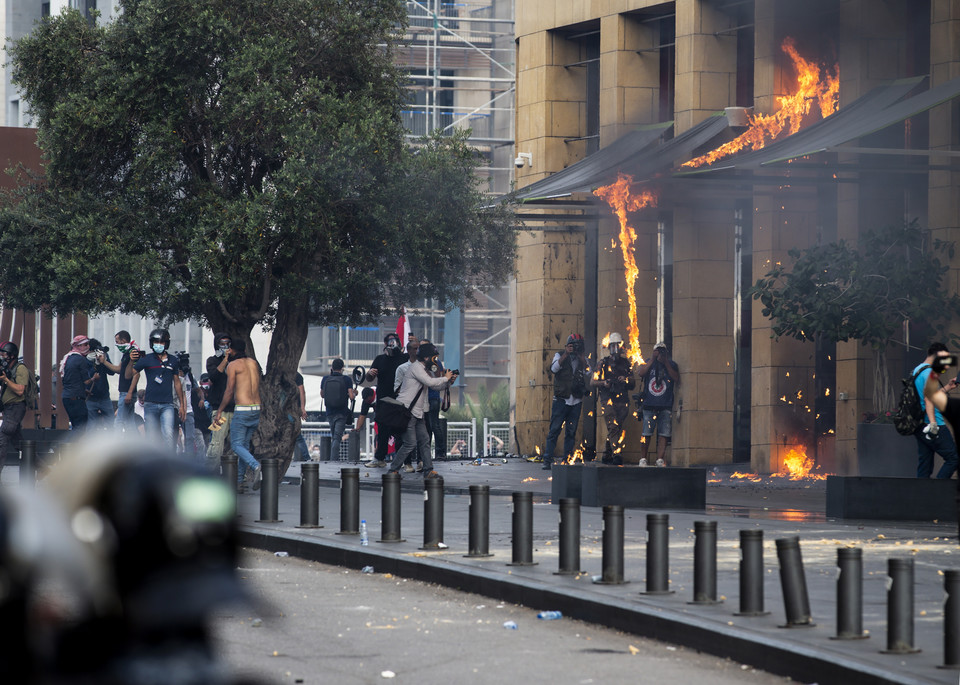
184	358
940	364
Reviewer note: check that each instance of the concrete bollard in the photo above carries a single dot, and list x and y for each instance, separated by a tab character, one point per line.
433	513
28	464
658	560
310	495
751	573
522	529
612	565
900	607
569	536
850	594
269	491
705	562
390	508
349	501
796	601
478	543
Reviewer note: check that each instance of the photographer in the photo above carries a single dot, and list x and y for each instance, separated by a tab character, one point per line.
569	369
217	372
76	379
99	406
188	424
660	377
14	378
934	438
614	380
126	390
383	370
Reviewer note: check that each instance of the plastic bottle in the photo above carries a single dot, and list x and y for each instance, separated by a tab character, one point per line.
549	615
364	538
510	625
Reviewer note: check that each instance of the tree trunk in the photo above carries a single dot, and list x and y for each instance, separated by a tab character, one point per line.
279	397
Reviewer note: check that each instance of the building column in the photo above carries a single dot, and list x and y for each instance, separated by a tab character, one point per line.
629	80
706	63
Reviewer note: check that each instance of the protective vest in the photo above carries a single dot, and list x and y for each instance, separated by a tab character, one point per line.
568	382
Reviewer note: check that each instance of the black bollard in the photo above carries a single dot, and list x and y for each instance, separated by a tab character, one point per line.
269	491
796	601
390	508
569	536
522	529
28	464
612	566
751	573
433	514
478	544
228	471
705	562
850	594
310	495
353	447
951	620
900	607
658	564
349	501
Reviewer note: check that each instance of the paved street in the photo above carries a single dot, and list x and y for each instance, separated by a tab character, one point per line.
323	624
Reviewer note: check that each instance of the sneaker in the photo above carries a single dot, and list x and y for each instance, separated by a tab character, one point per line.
420	467
546	466
257	478
408	468
642	462
535	459
661	462
375	464
432	474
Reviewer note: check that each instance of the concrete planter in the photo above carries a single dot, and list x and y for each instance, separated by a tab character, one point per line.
881	451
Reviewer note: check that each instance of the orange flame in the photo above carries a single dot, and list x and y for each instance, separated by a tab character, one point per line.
530	479
577	456
812	84
798	466
752	477
622	200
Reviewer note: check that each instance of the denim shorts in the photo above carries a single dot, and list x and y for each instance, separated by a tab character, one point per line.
659	418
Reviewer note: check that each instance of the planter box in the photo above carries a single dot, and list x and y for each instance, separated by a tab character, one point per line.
891	499
566	481
881	451
644	488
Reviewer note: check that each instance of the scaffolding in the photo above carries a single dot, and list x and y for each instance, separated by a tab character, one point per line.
461	60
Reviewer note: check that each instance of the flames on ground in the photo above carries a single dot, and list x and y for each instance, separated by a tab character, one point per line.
796	466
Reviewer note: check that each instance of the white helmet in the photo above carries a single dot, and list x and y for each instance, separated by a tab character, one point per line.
615	338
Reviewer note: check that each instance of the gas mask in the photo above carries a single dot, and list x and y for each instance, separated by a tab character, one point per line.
393	347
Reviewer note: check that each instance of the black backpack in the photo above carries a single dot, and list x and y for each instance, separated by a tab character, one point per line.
910	415
335	394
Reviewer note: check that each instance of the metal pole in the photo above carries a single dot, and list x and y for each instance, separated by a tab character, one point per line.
751	573
850	594
390	508
658	559
349	501
612	565
310	495
269	491
705	562
569	536
28	464
433	513
228	471
951	620
794	583
900	607
478	544
522	529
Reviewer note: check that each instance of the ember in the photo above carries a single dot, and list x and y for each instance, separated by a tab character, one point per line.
530	479
813	84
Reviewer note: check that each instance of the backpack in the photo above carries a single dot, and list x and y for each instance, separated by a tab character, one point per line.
335	395
31	389
910	415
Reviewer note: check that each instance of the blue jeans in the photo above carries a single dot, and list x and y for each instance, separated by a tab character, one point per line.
242	426
338	422
99	413
562	413
944	445
159	419
416	436
189	437
76	409
125	414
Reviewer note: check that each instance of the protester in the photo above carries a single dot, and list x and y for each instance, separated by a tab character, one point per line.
162	373
300	447
76	379
660	377
99	407
188	424
243	386
14	378
930	439
412	346
126	392
383	370
569	369
201	413
614	381
435	427
217	372
336	391
413	395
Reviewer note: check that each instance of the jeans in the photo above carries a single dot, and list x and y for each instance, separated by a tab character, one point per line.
435	428
338	423
125	415
944	445
242	426
76	409
99	413
218	438
13	415
562	413
159	419
415	436
189	429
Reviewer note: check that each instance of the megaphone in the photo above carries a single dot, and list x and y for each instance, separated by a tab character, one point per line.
359	373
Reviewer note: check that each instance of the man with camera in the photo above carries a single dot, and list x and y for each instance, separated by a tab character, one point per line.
383	370
934	438
75	381
14	378
660	376
614	381
162	372
569	369
217	372
126	392
99	406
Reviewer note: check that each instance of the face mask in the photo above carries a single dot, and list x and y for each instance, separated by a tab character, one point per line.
391	344
158	348
92	356
123	348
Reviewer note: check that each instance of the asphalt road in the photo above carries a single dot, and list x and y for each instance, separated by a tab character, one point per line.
314	623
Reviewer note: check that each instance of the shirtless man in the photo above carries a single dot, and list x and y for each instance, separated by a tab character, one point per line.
243	387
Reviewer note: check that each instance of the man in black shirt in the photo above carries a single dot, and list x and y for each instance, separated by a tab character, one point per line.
217	371
127	395
384	371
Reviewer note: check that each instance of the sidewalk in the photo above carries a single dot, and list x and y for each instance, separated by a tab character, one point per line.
778	508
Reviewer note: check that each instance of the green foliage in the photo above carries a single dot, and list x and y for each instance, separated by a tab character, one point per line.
494	406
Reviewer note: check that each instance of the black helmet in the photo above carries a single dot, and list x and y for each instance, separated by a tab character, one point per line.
426	351
10	349
160	335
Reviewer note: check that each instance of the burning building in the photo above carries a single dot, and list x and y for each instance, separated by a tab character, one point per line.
750	127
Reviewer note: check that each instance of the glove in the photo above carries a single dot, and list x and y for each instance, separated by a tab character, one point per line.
931	429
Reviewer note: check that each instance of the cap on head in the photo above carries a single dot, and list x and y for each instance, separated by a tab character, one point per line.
574	338
79	340
615	339
337	364
660	346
